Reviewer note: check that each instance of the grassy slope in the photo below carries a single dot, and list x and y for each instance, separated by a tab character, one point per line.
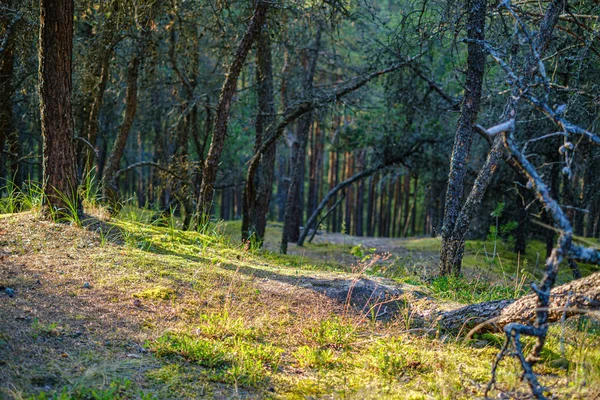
172	314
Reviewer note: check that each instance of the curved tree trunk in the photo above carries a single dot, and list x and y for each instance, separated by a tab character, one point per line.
211	164
55	85
109	186
453	236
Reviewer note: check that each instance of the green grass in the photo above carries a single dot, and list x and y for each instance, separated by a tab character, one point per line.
221	320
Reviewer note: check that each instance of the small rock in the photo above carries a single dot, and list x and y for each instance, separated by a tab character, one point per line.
10	292
77	333
86	285
137	302
131	355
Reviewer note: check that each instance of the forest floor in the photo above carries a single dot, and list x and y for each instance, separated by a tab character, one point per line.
126	309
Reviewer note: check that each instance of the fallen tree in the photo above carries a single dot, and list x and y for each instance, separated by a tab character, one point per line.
574	298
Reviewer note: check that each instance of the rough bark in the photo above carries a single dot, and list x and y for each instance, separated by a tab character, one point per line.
6	91
55	85
464	136
573	298
294	201
452	249
211	164
258	196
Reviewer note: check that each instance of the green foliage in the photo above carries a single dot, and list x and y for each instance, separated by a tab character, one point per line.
362	252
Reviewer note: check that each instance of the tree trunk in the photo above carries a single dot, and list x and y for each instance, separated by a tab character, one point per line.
360	195
349	195
211	164
573	298
293	209
464	136
294	203
454	233
257	196
109	185
55	85
8	28
371	205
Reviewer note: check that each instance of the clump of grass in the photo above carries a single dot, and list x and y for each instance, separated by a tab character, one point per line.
220	326
230	361
333	333
392	359
311	357
41	328
206	353
156	293
17	199
116	390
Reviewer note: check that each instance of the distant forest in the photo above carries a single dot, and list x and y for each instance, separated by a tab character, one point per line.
259	110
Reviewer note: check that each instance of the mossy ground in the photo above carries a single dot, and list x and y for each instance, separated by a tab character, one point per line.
128	309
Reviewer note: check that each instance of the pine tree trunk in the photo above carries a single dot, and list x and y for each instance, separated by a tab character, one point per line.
211	164
371	205
464	136
109	186
360	195
295	198
7	127
55	85
257	194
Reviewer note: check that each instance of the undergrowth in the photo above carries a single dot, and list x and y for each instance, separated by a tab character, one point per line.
199	314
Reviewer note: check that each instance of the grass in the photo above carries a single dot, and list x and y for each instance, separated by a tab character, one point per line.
174	314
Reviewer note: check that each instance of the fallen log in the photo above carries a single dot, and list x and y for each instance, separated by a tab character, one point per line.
573	298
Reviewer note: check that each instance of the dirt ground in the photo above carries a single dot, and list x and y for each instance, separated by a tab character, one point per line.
59	325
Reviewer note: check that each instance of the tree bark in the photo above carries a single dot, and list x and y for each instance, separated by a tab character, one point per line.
109	184
8	27
294	201
55	85
453	239
464	136
573	298
258	196
211	164
7	126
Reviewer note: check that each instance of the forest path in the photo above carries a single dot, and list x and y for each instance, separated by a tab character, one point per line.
419	255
